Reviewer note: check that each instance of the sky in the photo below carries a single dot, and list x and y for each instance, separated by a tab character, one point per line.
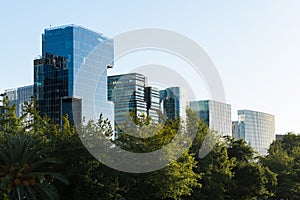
253	44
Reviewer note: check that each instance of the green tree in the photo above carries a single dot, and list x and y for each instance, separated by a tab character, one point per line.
9	122
171	182
67	148
239	149
37	124
283	159
26	168
251	179
289	142
215	167
98	182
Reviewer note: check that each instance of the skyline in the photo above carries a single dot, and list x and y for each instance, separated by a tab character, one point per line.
266	43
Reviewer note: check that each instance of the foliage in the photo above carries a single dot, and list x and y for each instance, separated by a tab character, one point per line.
26	170
216	168
175	180
43	160
9	122
283	159
98	182
251	179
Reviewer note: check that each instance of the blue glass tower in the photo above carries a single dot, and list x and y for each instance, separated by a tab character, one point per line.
170	100
86	55
51	87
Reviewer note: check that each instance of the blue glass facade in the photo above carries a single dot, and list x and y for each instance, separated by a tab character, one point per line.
216	115
170	102
87	55
256	128
51	85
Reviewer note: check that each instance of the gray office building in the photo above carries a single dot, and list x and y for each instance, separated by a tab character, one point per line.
19	96
256	128
152	102
216	115
131	95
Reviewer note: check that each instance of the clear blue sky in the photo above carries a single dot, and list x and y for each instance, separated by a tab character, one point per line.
255	44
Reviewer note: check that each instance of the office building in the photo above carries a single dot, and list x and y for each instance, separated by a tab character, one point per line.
71	76
236	130
152	102
256	128
51	87
19	96
132	96
171	103
2	107
216	115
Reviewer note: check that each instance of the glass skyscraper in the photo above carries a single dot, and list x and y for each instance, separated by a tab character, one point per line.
51	86
256	128
216	115
171	102
152	102
131	95
19	96
71	76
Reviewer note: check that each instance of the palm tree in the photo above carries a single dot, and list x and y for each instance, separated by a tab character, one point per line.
26	169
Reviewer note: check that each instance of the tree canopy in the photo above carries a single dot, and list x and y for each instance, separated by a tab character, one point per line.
43	160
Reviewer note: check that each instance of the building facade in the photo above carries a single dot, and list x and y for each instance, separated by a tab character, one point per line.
19	96
131	96
171	103
216	115
51	86
237	128
71	76
152	102
256	128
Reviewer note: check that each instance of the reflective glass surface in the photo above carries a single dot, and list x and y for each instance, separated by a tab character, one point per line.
86	58
129	94
216	115
257	129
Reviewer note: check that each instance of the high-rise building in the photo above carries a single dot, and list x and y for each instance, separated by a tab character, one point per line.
2	107
71	76
171	103
19	96
152	102
216	115
131	95
236	129
51	87
256	128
